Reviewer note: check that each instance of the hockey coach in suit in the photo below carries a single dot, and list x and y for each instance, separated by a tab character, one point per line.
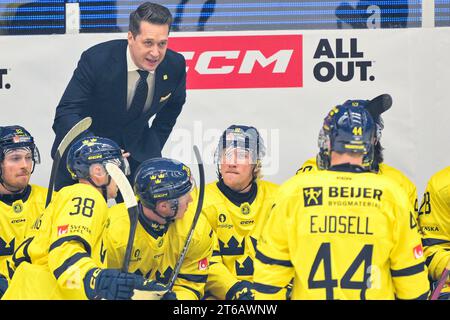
121	84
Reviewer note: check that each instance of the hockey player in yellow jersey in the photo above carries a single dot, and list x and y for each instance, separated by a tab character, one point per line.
342	232
237	207
20	202
163	187
434	217
65	257
377	165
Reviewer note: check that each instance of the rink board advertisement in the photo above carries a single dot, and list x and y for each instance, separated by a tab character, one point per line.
283	83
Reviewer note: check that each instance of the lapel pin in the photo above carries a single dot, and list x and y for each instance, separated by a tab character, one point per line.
165	77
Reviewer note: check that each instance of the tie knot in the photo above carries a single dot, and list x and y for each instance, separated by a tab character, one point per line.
143	74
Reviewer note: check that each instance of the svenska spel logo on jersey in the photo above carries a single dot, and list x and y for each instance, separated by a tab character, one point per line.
418	251
63	229
312	196
225	62
203	264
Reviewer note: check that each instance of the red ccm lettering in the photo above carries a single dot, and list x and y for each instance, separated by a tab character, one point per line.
226	62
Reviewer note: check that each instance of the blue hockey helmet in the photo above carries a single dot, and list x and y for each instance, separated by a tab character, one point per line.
16	137
241	137
89	150
347	128
162	179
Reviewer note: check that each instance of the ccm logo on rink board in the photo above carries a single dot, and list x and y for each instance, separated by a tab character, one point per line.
242	61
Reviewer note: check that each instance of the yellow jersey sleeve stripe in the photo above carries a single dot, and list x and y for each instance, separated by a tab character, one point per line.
61	241
428	242
194	277
265	288
267	260
429	259
69	262
408	271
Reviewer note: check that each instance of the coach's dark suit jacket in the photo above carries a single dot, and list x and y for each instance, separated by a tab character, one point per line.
98	89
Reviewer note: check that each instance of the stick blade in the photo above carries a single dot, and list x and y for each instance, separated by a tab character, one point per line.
76	130
379	104
123	184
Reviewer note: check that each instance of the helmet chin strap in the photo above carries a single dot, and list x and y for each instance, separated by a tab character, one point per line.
12	191
103	187
4	186
174	207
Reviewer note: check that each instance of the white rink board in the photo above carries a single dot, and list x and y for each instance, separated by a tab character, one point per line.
410	64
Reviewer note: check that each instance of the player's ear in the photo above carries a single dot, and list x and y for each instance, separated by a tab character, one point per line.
97	172
162	206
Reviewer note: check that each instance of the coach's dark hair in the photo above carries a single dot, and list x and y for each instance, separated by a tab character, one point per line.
151	13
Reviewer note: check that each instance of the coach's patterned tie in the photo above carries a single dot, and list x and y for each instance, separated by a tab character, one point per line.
140	95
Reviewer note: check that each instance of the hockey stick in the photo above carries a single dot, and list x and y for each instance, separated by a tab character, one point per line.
132	206
198	210
76	130
379	104
441	282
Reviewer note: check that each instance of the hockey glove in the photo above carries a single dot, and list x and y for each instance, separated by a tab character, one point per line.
169	295
149	290
3	285
110	284
241	290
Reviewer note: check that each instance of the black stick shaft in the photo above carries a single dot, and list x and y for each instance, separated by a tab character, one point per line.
201	196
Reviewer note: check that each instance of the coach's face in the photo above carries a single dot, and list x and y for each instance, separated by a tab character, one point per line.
149	47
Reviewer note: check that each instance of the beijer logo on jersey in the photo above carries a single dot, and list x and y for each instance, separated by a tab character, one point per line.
268	61
355	192
312	196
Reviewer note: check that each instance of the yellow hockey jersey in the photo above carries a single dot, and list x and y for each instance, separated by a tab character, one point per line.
238	230
67	243
385	170
341	235
157	248
16	221
434	217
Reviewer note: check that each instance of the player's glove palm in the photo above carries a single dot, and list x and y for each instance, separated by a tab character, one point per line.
109	284
241	290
